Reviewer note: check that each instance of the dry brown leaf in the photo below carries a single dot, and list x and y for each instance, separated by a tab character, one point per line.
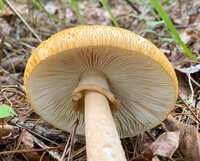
26	139
189	138
164	146
26	142
196	48
183	85
9	16
189	36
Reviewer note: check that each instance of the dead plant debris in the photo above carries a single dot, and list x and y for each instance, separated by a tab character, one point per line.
24	24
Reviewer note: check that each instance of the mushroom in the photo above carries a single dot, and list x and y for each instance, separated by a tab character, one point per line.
115	82
5	129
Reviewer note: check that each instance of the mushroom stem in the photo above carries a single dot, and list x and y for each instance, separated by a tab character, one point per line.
102	139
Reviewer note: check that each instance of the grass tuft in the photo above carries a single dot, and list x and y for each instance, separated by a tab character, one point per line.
1	5
170	26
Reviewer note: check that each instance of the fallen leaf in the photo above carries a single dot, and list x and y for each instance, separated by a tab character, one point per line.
189	36
191	69
189	138
183	85
26	142
164	146
26	139
9	16
196	47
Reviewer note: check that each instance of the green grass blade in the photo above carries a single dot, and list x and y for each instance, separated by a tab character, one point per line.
43	10
1	5
154	23
73	2
149	31
106	6
138	17
167	39
155	15
151	9
38	5
171	27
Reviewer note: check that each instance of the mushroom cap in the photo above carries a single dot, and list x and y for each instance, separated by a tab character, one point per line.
138	74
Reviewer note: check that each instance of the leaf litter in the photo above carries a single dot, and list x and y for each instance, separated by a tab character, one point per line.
176	139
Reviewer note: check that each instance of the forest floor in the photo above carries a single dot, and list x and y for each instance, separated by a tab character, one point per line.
24	24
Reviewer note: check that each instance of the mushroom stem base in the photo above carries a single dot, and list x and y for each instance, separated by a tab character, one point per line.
102	140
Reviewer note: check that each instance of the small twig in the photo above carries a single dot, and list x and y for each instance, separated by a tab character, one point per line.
185	26
71	137
71	147
14	86
10	61
150	136
42	145
16	12
36	123
79	151
36	134
42	156
164	127
65	150
133	7
7	73
188	108
126	149
3	99
2	91
135	147
195	82
31	150
197	100
170	159
26	113
192	11
1	48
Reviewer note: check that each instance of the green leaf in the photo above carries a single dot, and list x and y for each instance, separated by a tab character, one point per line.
149	31
171	27
138	17
81	6
154	23
106	6
167	39
177	102
5	111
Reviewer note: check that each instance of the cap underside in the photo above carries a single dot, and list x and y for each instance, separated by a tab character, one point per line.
144	88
